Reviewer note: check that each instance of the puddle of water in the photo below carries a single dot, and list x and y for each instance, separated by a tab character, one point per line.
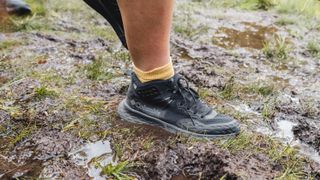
92	153
253	36
285	130
286	134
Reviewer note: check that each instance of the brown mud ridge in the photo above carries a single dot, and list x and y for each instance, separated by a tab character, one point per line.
204	161
182	158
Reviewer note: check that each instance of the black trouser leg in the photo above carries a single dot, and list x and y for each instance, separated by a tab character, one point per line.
109	9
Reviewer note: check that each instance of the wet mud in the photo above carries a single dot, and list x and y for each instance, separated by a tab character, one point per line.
308	133
202	161
59	90
252	36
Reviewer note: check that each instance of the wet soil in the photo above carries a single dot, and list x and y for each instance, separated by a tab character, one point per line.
252	36
309	133
59	89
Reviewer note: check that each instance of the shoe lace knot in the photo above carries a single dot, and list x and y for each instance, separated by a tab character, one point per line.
190	101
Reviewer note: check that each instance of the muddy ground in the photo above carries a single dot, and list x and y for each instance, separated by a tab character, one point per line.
63	72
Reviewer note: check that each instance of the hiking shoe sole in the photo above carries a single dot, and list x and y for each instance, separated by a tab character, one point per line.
128	114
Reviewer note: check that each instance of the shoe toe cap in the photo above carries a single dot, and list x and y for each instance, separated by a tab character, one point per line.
222	125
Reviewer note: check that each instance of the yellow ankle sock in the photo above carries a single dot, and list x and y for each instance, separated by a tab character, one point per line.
160	73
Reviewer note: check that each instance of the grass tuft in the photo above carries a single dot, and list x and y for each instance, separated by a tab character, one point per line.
38	6
278	48
227	91
259	88
283	21
305	7
43	92
257	4
116	171
313	48
96	70
8	44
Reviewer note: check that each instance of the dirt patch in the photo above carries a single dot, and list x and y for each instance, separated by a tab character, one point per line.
252	36
308	133
63	169
3	80
201	160
46	144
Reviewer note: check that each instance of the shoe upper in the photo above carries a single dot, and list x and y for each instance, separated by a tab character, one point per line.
174	102
17	7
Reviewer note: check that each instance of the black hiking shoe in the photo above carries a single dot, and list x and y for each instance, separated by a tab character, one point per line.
172	105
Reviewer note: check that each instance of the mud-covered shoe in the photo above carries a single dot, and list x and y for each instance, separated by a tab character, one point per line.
17	7
174	106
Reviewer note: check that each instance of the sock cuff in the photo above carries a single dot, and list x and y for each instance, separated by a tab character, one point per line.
160	73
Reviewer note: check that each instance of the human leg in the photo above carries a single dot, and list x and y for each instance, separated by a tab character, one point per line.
164	102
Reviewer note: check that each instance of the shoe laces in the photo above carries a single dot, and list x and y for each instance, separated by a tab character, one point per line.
191	105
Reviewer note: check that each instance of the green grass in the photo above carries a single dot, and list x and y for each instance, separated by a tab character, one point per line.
121	56
268	109
224	3
116	171
8	44
43	92
313	48
278	47
29	23
185	24
227	91
276	151
258	4
310	8
37	21
105	32
260	88
205	93
284	21
38	6
21	135
97	70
